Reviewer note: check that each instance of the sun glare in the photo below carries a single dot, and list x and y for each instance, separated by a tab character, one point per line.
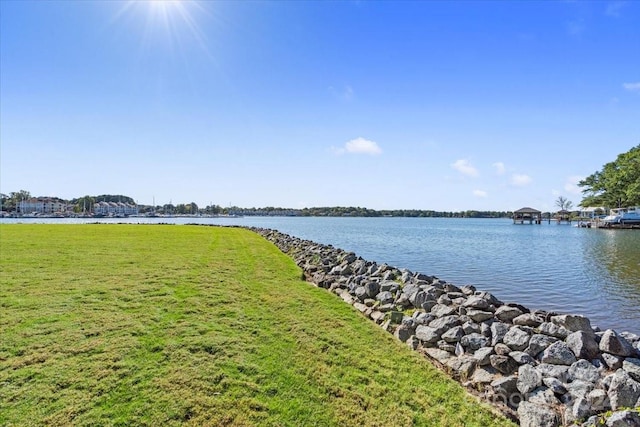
167	21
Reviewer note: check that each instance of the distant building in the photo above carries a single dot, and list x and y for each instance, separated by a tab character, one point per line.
114	209
41	206
593	211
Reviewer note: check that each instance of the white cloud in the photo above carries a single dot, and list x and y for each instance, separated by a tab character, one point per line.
480	193
359	146
464	167
633	87
499	167
571	186
520	180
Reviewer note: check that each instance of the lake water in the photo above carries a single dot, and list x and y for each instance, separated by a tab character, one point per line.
552	267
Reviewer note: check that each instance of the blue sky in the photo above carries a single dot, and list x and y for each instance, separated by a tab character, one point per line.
386	105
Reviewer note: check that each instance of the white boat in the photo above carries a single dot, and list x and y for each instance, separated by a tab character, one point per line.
629	215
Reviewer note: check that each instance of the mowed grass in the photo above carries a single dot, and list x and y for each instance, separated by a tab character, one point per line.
186	325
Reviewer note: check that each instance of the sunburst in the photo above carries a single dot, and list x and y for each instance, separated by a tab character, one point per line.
169	22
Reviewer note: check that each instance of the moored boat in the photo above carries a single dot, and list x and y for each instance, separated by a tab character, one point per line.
630	215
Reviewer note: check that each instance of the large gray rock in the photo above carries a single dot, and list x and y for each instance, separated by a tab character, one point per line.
389	286
532	415
560	372
558	353
443	345
632	367
498	331
479	315
598	400
553	330
403	332
453	335
441	310
474	341
503	364
613	362
583	370
543	396
418	299
528	319
385	297
505	386
443	324
521	357
427	334
483	375
578	409
624	391
470	327
437	354
538	343
624	419
506	313
583	345
502	349
579	388
528	379
462	366
361	293
573	323
476	302
372	289
517	338
489	297
555	385
613	343
409	290
482	355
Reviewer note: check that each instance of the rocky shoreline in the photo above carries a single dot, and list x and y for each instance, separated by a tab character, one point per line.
543	369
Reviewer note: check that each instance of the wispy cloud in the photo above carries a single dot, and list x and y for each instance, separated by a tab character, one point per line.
359	146
571	185
480	193
520	180
615	9
499	167
633	87
345	94
464	167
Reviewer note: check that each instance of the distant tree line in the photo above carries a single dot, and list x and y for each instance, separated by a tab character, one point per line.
341	211
616	185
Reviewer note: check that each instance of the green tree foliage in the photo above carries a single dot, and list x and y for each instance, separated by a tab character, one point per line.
564	204
84	204
10	202
617	184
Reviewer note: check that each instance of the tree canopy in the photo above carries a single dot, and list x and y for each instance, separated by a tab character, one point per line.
617	184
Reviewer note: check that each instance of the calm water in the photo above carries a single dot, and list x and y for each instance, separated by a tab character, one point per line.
552	267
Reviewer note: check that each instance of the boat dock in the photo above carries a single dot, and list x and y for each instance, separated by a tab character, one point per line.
607	225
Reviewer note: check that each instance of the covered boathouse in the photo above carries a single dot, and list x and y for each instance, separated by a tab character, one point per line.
530	215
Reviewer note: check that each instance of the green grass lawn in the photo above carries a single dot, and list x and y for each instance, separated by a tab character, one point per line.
171	325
